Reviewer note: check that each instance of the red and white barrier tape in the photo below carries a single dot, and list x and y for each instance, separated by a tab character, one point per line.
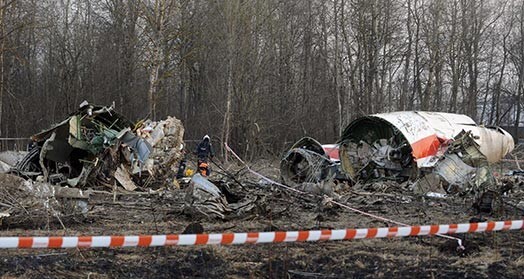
459	241
253	237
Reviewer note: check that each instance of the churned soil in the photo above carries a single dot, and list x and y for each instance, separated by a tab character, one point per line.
487	255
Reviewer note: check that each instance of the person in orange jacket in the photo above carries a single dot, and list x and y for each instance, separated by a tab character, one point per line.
204	151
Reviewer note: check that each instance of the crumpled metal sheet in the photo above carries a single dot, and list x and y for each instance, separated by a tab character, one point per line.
462	169
123	177
139	145
454	171
204	199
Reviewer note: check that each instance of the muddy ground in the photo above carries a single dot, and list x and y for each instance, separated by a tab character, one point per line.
487	255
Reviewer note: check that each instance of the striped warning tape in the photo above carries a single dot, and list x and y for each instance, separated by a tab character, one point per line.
253	237
459	241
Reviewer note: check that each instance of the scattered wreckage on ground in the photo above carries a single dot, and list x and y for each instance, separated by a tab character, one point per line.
441	153
93	147
436	154
97	147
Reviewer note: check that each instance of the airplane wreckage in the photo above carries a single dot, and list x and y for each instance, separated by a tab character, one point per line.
439	153
96	145
442	153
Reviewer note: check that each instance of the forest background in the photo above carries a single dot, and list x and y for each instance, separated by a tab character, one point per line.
260	74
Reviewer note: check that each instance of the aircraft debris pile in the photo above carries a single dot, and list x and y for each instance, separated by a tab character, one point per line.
221	199
25	202
430	154
438	153
97	146
398	145
203	198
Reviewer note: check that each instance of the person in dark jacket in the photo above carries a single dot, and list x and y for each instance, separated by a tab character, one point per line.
204	151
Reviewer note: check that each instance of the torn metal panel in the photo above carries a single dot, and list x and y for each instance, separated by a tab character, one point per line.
465	145
204	199
46	133
98	115
463	170
202	183
141	147
494	142
455	172
123	177
46	147
309	144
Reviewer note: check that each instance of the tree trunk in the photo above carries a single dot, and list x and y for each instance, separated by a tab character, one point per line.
2	50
